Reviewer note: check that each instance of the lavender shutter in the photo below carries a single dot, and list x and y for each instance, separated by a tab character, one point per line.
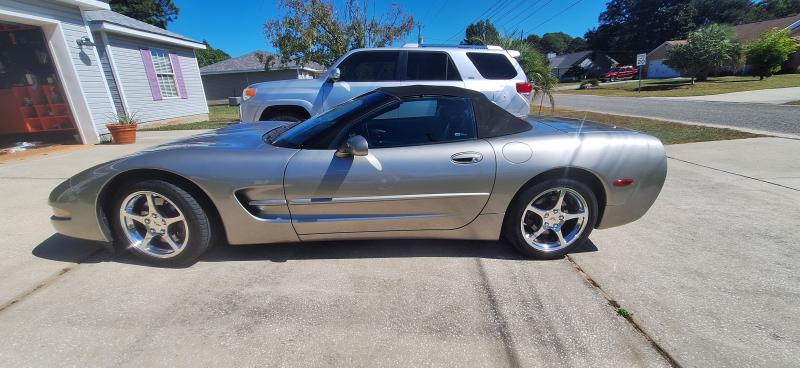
150	71
176	68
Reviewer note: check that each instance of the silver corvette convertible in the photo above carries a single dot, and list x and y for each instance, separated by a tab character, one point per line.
403	162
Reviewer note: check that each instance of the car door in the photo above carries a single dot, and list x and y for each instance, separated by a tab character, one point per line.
434	68
425	170
362	72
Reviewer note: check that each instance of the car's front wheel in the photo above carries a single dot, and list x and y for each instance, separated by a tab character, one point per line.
549	219
161	223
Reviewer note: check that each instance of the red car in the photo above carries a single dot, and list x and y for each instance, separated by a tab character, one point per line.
620	73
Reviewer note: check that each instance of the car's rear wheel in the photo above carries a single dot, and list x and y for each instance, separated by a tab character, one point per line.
161	223
549	219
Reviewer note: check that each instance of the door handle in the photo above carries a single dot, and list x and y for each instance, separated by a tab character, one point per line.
466	158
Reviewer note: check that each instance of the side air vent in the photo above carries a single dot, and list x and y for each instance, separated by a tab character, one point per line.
264	209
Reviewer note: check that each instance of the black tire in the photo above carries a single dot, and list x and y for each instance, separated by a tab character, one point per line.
512	232
201	235
285	117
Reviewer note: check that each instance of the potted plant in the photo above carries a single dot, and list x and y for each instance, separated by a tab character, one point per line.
123	128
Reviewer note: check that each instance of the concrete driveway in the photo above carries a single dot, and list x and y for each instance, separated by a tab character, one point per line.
702	281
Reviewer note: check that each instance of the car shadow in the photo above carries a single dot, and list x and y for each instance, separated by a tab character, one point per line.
64	249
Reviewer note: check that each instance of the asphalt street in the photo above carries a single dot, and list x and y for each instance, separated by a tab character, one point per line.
759	118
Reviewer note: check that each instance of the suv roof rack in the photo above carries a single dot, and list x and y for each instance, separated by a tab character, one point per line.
479	47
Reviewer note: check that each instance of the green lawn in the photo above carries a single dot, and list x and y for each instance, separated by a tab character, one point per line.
218	116
683	87
667	132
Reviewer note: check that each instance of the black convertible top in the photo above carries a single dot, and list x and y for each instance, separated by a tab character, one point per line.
492	120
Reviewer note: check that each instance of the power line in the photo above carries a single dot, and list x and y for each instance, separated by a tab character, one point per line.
529	15
510	10
557	14
534	3
476	18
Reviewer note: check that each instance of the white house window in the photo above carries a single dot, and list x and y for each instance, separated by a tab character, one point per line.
164	73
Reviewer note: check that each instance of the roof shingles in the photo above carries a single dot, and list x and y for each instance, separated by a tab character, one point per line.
108	16
251	63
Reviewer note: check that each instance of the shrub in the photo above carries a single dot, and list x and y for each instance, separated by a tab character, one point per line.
707	51
767	53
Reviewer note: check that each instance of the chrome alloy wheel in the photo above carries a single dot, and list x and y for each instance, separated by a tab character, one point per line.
554	219
153	224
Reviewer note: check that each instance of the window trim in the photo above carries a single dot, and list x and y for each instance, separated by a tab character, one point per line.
153	56
450	61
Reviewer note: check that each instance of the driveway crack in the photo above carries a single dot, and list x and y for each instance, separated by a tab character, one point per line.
47	281
733	173
613	303
500	323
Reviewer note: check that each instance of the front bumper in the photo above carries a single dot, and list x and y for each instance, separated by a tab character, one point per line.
75	216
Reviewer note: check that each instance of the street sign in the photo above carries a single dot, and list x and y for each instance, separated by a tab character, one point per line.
641	59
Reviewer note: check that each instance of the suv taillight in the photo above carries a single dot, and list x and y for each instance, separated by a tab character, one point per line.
524	87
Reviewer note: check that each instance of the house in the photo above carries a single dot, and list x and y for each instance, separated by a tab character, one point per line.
656	68
580	65
67	67
228	78
744	33
750	32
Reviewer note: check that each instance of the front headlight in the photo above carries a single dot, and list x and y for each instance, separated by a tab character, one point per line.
247	93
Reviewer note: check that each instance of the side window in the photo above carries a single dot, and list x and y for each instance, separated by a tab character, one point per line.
417	121
430	66
492	66
370	66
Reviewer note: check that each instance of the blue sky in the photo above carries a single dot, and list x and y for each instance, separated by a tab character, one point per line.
236	25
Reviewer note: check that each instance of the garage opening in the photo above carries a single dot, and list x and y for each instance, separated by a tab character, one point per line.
33	108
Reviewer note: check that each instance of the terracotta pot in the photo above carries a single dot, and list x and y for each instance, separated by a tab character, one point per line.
123	133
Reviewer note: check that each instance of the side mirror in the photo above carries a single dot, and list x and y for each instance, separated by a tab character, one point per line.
335	75
354	146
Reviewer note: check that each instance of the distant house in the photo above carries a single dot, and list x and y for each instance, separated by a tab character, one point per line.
744	33
656	68
228	78
580	65
68	66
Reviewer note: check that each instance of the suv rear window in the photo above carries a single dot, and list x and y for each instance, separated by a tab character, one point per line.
492	66
430	66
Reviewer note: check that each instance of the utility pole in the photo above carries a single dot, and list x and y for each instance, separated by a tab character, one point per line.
420	39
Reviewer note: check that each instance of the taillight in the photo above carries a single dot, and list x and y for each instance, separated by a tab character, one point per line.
247	93
524	87
623	182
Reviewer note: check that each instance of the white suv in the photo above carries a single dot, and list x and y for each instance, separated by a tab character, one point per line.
487	69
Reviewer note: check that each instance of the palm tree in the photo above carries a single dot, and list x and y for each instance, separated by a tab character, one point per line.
543	86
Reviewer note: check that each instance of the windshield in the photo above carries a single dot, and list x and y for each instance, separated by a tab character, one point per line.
318	131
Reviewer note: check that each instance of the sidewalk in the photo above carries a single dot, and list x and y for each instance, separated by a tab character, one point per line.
776	96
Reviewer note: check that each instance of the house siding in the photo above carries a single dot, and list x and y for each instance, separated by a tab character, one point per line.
221	86
108	73
134	84
84	60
